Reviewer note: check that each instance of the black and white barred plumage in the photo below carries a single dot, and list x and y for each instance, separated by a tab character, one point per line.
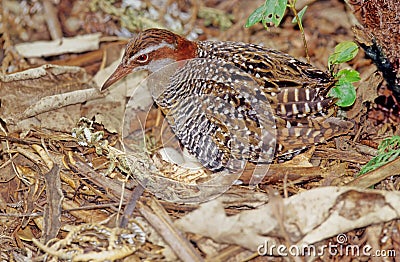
229	101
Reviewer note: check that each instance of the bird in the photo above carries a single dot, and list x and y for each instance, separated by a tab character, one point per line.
233	102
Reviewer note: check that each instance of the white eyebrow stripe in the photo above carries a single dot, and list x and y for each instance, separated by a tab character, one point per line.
151	49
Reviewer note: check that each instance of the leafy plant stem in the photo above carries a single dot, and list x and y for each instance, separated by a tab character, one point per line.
292	6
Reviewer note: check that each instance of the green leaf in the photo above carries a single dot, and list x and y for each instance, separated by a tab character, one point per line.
275	9
388	150
300	15
256	16
344	52
349	75
271	11
345	92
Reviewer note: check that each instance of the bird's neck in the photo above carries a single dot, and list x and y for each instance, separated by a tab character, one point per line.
172	51
185	49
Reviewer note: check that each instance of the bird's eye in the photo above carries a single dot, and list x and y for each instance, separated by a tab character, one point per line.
142	58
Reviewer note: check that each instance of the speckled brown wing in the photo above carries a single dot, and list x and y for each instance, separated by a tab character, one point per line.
296	91
293	88
219	113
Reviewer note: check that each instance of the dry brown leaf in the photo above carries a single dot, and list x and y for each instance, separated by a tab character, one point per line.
366	92
24	90
309	217
77	44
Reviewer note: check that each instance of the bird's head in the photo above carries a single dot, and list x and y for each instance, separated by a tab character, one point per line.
151	50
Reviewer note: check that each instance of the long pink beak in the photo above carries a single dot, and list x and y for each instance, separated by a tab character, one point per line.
119	73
